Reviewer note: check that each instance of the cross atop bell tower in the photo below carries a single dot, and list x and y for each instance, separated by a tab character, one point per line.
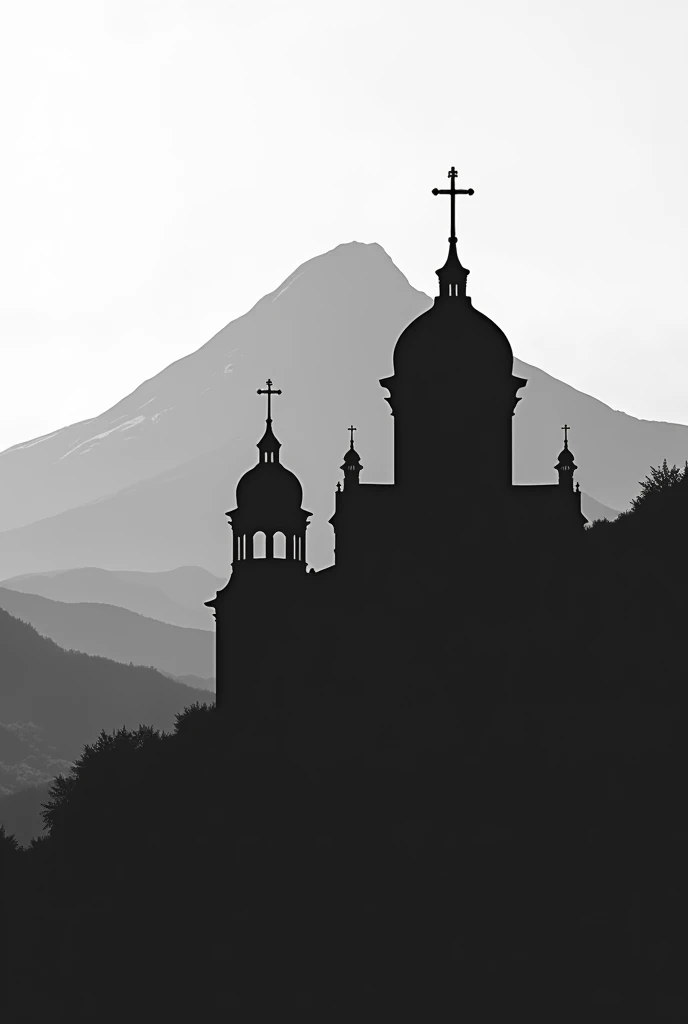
452	275
269	446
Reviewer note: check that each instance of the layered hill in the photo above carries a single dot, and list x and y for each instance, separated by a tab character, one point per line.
117	634
145	485
53	701
175	597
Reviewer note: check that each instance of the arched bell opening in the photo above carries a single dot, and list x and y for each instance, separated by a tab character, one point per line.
279	545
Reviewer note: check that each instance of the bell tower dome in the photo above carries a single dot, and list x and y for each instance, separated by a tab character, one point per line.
268	524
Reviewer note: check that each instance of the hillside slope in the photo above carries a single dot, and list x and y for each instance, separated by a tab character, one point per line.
176	597
53	701
116	633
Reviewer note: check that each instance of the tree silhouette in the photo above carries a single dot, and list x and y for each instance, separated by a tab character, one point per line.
659	481
9	849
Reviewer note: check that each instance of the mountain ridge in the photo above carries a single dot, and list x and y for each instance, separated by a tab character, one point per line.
117	634
176	597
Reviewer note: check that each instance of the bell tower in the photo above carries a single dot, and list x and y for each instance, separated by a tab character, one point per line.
268	566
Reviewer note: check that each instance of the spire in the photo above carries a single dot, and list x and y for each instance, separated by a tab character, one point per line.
452	275
565	466
352	464
269	446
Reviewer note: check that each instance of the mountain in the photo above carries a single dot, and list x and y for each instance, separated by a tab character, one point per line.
176	597
53	701
117	633
146	484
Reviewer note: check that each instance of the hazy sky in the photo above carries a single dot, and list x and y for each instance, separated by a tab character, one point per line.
167	162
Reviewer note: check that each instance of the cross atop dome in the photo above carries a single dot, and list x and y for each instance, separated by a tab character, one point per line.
453	192
269	392
452	275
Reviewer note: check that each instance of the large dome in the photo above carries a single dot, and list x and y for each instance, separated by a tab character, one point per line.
452	337
269	487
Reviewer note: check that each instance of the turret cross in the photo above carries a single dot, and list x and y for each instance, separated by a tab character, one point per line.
566	429
452	192
269	392
351	431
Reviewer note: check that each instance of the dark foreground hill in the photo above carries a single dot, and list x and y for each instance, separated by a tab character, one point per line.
53	701
117	634
495	832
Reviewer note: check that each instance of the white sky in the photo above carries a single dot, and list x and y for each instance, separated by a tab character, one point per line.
167	162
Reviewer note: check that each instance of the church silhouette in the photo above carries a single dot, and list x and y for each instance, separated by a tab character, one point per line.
416	562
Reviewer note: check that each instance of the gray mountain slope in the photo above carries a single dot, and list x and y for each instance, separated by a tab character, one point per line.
53	701
116	633
325	337
175	597
324	332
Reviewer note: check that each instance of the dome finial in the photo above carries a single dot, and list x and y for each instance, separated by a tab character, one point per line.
351	431
566	429
452	275
269	446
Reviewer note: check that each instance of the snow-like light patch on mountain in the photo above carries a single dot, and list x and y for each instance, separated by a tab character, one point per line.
147	403
228	368
98	437
157	415
30	444
288	285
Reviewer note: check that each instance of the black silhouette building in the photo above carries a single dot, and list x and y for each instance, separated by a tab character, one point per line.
442	542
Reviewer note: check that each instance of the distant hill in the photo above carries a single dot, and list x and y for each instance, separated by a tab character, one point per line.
593	510
116	633
176	596
145	485
198	682
53	701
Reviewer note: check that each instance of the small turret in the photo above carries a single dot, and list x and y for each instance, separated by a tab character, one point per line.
566	467
352	465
